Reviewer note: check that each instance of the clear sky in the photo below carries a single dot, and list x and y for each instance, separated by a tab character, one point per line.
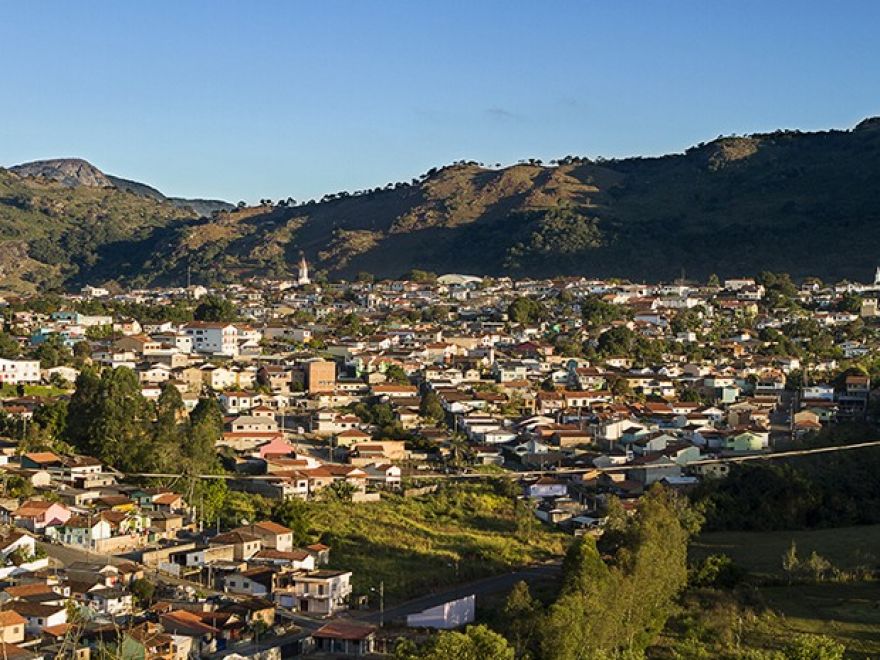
252	99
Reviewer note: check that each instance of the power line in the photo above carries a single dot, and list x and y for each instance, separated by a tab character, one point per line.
560	471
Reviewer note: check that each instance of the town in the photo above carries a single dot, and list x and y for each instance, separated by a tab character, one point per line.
167	453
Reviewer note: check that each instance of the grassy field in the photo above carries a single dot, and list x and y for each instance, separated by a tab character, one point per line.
849	612
725	624
414	545
765	614
7	390
761	552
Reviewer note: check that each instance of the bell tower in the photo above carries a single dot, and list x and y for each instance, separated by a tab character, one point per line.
303	277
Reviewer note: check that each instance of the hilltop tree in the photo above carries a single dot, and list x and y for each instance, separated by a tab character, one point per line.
420	276
804	646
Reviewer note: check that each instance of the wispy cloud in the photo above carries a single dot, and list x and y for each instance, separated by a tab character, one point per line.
571	102
501	114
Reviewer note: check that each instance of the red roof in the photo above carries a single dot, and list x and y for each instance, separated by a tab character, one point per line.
187	620
344	630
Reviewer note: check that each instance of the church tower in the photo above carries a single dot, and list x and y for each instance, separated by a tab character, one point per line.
877	276
303	277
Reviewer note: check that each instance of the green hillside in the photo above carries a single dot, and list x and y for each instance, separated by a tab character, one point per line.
807	203
50	234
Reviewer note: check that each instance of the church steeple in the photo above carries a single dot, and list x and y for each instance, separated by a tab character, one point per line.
303	277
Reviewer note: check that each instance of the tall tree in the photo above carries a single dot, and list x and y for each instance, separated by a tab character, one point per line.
9	347
108	418
199	449
118	433
208	410
168	431
51	418
617	608
474	643
215	308
297	516
431	407
521	614
83	407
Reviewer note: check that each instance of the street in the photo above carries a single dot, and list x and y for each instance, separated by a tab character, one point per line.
482	587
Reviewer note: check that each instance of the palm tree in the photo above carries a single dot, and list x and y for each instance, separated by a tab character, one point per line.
459	446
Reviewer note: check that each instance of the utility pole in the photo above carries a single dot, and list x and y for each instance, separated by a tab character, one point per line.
381	592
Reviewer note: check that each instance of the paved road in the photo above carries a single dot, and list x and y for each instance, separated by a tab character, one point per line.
485	586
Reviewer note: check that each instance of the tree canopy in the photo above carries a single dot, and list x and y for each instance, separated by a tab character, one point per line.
216	309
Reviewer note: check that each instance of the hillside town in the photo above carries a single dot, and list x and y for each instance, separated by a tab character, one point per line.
577	391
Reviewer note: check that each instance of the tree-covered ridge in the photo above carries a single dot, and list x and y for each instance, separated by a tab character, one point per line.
734	205
50	233
724	207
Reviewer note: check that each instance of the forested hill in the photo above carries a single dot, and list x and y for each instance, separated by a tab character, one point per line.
806	203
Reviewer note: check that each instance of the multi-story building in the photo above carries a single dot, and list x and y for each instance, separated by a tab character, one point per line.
323	592
19	371
320	376
213	338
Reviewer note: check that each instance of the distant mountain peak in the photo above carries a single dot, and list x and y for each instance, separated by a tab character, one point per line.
69	172
868	123
75	172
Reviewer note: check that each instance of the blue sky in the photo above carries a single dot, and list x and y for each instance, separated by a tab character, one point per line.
244	100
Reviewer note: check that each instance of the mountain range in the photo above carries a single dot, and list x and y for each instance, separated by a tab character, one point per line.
76	172
803	202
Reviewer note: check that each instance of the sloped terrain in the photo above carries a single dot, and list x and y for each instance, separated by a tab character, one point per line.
806	203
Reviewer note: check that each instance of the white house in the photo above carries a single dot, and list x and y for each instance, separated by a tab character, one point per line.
213	338
19	371
39	615
24	545
321	592
114	601
85	531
